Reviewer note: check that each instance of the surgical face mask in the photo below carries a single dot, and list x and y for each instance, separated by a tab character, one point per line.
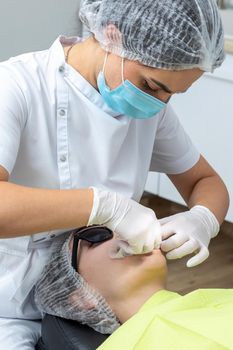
128	99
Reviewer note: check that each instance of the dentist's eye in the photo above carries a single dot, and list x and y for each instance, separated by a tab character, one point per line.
150	88
146	86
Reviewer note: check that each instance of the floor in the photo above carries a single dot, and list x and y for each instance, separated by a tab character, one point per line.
215	272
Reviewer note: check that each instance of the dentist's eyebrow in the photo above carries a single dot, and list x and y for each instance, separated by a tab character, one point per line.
165	88
162	86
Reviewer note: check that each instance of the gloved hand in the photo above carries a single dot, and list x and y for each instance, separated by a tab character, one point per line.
137	228
189	232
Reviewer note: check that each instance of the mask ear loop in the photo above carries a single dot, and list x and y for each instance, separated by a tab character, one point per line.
105	61
122	67
122	70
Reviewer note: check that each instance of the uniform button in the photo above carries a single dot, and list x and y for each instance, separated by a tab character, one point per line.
63	158
62	112
61	69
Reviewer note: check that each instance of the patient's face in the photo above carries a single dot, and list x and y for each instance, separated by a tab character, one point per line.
117	278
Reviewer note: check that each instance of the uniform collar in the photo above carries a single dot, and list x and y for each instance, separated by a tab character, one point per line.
56	52
58	59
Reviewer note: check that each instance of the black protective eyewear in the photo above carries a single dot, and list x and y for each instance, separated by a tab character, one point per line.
92	234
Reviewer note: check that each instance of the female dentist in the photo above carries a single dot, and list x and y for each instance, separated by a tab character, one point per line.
82	123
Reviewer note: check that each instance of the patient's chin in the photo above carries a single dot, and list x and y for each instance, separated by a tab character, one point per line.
155	262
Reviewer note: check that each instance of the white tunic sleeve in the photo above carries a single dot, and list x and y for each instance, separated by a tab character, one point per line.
174	152
13	114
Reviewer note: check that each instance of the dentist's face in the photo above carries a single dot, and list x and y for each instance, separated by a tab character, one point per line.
116	278
159	83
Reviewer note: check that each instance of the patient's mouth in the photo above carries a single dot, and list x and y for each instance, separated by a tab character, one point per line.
147	254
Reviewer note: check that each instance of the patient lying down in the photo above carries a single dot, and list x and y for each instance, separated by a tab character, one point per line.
127	297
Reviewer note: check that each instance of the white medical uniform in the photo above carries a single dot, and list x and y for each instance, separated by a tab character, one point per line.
56	132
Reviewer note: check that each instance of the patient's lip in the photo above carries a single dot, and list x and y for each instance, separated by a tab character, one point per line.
154	251
151	253
146	254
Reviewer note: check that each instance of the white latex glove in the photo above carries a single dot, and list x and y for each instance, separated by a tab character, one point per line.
189	232
137	228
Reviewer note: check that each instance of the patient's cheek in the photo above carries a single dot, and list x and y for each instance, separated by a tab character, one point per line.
92	264
99	270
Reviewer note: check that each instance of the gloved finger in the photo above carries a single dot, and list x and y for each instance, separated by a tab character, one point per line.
165	220
152	242
167	230
199	257
120	249
148	244
187	248
174	242
122	254
153	238
149	240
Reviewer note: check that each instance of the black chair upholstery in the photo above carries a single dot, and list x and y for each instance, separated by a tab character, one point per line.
61	334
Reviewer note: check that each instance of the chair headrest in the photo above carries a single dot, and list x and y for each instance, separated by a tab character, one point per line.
61	334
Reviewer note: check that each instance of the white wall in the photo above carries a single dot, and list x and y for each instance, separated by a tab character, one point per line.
206	112
31	25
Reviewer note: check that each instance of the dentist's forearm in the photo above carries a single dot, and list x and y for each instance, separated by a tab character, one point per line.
24	210
212	193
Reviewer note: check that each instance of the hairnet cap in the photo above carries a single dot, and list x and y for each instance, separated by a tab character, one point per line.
62	292
168	34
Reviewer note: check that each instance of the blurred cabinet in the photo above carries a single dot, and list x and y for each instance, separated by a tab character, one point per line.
206	112
152	184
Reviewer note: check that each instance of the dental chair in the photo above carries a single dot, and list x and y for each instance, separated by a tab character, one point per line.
61	334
